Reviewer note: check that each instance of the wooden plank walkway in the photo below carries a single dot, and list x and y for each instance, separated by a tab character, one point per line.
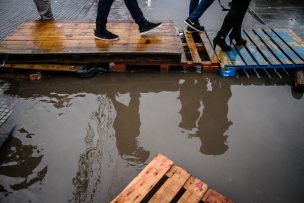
73	42
162	181
265	48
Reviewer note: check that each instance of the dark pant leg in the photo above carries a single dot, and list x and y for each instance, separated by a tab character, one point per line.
234	17
200	9
241	14
44	9
135	11
103	11
192	6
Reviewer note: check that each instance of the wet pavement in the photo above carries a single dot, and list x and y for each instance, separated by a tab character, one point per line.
85	140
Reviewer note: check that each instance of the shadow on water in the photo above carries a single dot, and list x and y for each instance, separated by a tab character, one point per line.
20	164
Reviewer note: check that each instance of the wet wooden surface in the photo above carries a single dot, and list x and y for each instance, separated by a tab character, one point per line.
40	40
162	181
265	48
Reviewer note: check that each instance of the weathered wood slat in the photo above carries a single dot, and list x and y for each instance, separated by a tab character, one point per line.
254	52
145	181
195	190
274	48
171	187
225	61
291	40
233	55
262	48
214	197
245	55
289	52
193	50
48	67
210	51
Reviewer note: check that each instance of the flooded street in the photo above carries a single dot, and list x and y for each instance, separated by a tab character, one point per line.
84	140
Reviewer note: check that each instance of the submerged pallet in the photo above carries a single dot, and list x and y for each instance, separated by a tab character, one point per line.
72	42
265	48
162	181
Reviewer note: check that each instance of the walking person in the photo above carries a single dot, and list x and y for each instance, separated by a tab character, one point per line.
233	24
103	11
196	10
44	9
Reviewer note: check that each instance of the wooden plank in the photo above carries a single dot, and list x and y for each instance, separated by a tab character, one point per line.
221	55
52	37
254	52
232	54
210	51
48	67
194	53
284	47
131	58
171	187
292	40
273	47
145	181
249	61
195	190
259	45
212	196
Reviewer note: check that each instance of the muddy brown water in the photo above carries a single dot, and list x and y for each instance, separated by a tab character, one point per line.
85	140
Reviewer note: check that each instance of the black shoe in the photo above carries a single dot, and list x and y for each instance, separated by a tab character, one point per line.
218	40
88	71
237	36
148	26
190	30
105	35
194	25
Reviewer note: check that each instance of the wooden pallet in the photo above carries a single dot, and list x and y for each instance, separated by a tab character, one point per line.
162	181
70	42
65	45
265	48
194	54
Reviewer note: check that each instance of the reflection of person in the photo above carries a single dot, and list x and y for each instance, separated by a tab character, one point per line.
196	10
44	9
103	11
232	22
204	125
127	130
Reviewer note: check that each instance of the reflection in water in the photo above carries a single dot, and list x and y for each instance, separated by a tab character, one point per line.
99	157
20	165
58	100
213	123
127	125
99	154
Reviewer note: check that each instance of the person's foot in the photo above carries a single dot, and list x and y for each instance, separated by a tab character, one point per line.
190	30
194	25
105	35
148	26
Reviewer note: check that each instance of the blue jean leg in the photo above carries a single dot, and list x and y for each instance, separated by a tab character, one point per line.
193	5
200	9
